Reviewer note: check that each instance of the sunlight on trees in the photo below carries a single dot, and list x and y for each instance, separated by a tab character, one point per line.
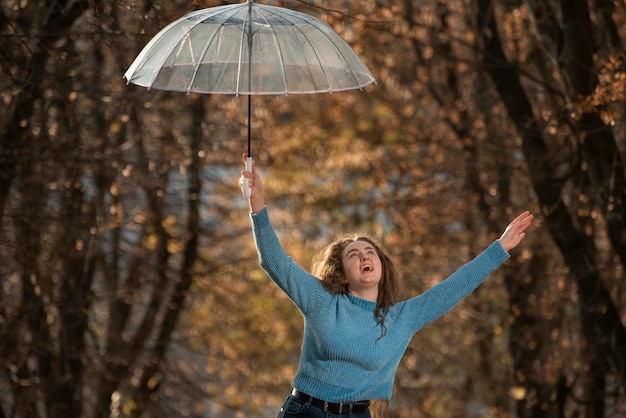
129	282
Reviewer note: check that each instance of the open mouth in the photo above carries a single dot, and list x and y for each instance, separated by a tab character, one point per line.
367	269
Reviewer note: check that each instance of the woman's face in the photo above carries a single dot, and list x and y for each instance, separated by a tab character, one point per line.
361	266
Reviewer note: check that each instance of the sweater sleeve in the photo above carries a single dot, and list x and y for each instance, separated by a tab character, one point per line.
445	295
304	289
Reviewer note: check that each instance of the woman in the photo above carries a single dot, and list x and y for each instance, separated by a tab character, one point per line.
355	329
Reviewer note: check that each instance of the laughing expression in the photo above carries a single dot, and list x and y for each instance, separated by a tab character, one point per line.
362	267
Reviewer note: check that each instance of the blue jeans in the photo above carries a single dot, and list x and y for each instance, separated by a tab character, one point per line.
295	408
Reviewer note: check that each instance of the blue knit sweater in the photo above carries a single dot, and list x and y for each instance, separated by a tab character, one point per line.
343	359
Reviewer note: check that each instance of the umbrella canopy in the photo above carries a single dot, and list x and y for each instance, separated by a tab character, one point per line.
248	49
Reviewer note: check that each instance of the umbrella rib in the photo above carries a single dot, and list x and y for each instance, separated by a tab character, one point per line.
343	59
316	23
241	51
277	45
324	29
154	41
165	57
206	48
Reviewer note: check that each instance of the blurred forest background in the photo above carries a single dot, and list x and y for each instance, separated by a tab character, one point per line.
129	281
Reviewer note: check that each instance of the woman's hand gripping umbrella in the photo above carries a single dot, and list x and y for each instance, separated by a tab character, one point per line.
251	185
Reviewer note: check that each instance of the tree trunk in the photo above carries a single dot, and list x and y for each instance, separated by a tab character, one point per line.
596	307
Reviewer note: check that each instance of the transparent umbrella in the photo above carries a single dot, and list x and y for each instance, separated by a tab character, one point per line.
248	49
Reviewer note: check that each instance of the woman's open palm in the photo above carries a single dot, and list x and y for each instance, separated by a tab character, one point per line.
514	232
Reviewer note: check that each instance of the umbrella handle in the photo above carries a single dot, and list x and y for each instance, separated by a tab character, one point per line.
246	189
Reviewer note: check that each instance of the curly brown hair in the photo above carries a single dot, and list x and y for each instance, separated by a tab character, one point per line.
328	267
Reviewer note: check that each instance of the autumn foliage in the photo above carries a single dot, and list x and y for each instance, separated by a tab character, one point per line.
129	284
